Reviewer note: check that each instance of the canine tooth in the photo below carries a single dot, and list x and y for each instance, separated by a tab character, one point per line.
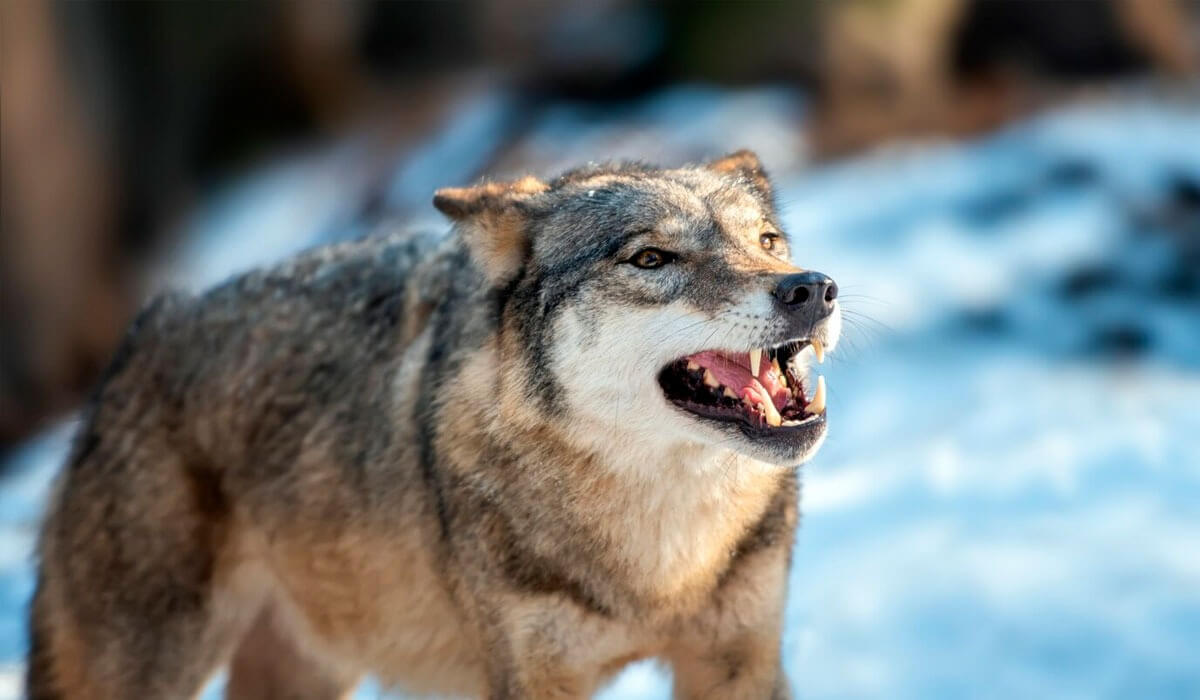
778	372
730	393
818	400
755	360
692	366
818	350
710	380
773	417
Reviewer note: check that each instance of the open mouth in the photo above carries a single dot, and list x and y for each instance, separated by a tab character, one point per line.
765	389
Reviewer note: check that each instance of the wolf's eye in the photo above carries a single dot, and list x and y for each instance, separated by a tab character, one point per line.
651	258
768	240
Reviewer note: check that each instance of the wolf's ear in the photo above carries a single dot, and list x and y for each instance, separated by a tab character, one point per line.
491	222
744	163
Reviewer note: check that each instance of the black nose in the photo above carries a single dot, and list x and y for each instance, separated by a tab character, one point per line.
811	290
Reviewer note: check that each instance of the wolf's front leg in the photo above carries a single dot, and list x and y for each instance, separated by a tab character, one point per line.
731	649
740	672
548	646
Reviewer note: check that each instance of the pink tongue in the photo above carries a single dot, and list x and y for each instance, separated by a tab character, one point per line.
733	370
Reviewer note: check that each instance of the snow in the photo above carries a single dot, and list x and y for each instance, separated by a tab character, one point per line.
1006	504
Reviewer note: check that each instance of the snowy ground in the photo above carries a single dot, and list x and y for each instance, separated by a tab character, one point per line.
1007	502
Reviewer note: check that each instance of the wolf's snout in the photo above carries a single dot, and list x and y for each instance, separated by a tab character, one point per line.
810	292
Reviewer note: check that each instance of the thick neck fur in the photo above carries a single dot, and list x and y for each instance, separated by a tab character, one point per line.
676	513
658	521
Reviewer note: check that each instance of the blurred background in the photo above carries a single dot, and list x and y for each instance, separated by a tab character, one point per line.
1008	192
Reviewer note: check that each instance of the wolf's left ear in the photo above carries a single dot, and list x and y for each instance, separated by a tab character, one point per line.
743	163
491	222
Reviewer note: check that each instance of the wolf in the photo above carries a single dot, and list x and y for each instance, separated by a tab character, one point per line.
501	462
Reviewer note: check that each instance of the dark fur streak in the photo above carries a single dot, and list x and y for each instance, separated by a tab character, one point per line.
442	328
208	495
534	574
426	419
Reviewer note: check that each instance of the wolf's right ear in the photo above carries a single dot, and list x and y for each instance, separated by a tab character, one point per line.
491	222
744	164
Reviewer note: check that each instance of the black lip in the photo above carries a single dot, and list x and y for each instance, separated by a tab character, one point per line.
792	438
803	434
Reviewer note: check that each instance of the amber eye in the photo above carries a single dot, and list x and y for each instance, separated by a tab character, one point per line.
651	258
768	240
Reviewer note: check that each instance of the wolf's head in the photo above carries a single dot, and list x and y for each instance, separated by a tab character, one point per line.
644	305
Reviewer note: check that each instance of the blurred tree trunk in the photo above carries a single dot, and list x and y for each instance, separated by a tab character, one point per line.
911	68
60	303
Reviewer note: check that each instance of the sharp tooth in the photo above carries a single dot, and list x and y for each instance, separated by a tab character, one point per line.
755	360
773	417
710	380
818	350
791	422
818	400
730	393
692	366
778	372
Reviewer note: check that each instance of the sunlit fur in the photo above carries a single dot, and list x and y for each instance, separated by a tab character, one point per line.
443	460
